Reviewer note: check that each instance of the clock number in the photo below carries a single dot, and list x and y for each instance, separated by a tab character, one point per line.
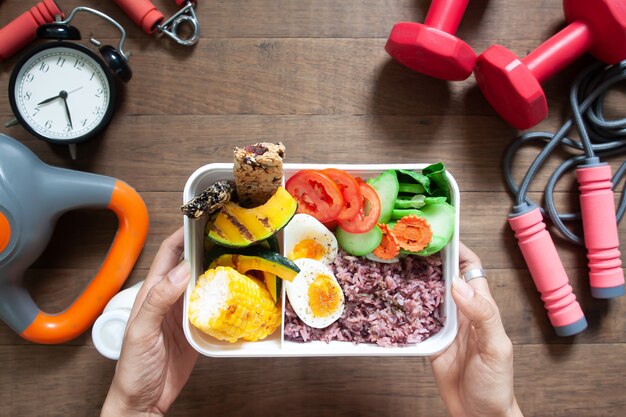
27	95
37	109
67	129
44	67
79	64
48	124
99	92
30	78
83	122
60	61
92	74
96	110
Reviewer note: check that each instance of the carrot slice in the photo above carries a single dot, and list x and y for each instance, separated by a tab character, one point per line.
413	233
389	247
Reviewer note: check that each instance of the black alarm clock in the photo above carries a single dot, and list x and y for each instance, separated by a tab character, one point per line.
64	92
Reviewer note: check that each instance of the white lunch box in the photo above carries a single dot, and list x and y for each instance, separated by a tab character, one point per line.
276	345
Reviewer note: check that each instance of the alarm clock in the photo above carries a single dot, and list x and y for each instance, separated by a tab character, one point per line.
64	92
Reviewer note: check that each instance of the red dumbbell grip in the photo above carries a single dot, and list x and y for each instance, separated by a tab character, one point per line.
446	15
548	273
143	12
23	29
597	207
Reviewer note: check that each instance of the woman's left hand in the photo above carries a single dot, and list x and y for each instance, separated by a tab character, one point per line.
156	359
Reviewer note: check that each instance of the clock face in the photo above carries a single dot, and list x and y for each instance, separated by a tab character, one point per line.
62	93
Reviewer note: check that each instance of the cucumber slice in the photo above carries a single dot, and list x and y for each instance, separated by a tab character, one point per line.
387	187
359	244
400	213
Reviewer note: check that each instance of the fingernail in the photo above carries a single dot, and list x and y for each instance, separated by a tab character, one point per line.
180	273
462	288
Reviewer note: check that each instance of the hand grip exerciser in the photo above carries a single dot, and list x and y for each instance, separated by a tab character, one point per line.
548	273
23	29
606	275
146	15
33	196
431	48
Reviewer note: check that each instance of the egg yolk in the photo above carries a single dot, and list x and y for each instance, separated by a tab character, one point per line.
307	248
324	296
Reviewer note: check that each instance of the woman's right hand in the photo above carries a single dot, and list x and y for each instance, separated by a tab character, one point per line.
475	373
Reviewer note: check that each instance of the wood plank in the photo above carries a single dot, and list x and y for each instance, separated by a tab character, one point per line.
76	380
295	76
504	20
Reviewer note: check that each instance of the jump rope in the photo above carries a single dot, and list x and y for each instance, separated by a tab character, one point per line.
599	138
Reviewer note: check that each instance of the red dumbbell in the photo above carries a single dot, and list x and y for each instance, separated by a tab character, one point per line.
513	86
431	48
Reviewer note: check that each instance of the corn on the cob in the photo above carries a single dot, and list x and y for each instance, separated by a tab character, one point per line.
230	306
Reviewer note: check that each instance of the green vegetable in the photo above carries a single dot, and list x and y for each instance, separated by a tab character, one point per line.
406	176
434	200
411	188
437	175
400	213
387	187
415	202
359	244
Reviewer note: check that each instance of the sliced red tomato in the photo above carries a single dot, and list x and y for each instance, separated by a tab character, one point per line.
316	194
367	217
352	199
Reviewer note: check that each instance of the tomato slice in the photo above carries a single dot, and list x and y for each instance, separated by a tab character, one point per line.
366	218
352	199
316	194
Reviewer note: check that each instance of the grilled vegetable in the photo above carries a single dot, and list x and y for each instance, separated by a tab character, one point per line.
259	260
236	226
231	306
210	200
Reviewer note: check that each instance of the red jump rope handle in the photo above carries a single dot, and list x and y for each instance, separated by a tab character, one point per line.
597	206
23	29
548	273
143	13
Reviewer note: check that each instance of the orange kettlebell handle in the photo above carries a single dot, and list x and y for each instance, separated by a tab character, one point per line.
132	214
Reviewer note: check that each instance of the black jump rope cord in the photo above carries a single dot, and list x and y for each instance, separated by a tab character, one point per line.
599	137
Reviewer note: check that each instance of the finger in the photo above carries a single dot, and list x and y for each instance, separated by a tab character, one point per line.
468	260
482	313
161	297
168	255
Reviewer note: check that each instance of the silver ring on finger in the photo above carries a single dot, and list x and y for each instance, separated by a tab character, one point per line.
473	274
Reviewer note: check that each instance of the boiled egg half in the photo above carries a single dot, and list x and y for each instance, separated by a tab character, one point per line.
306	237
315	294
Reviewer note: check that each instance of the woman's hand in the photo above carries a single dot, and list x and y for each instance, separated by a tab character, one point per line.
156	359
475	373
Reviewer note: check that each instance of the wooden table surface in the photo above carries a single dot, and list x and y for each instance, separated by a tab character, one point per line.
314	75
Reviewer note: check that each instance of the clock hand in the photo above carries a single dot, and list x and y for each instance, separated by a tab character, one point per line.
46	101
74	90
63	95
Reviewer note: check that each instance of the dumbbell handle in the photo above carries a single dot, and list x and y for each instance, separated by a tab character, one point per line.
446	15
559	51
597	207
23	29
548	273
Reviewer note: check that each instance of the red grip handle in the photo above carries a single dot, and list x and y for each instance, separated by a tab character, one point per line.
546	268
23	29
446	15
600	227
143	12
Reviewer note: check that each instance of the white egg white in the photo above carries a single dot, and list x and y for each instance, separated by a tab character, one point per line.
298	289
303	226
